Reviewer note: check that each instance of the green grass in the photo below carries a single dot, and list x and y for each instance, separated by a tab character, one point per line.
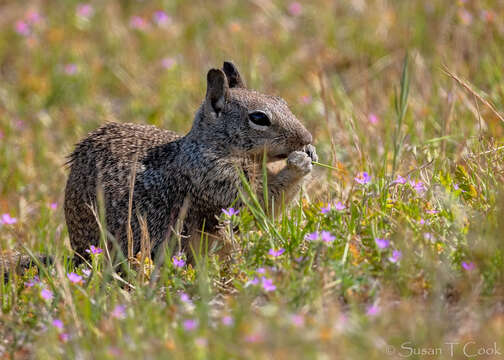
341	66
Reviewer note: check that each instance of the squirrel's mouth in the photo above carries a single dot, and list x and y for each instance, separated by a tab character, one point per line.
279	157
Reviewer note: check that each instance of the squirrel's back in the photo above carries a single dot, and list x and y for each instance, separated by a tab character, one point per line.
104	160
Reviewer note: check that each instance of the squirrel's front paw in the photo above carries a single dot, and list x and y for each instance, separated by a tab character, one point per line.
300	161
311	151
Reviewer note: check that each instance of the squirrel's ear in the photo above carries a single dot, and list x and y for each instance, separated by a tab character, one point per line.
217	90
233	76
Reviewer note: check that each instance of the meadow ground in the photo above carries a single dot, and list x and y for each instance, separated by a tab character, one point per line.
397	252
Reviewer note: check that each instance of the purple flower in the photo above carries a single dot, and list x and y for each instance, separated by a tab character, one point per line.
227	320
57	323
168	63
373	118
7	220
86	272
85	10
230	212
22	28
468	266
314	236
465	16
306	99
297	320
382	243
119	312
326	209
428	236
253	338
299	259
340	206
276	253
46	294
399	180
254	281
418	186
185	298
53	205
422	222
190	324
70	69
201	342
178	261
138	23
94	250
373	310
32	282
396	256
33	17
295	8
74	278
64	337
432	212
267	284
363	178
261	270
327	237
161	18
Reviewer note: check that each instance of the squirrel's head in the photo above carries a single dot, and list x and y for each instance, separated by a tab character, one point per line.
242	121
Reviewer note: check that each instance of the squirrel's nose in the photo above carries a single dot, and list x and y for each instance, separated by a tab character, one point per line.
305	137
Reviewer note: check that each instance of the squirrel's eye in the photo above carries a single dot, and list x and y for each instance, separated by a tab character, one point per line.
259	118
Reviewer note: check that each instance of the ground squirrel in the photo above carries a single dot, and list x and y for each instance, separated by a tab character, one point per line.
232	130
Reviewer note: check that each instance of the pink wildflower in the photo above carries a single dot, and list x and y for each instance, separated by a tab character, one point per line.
138	23
327	237
382	243
85	10
57	323
468	266
373	310
373	119
190	324
168	63
178	261
93	250
161	18
70	69
396	256
326	209
363	178
227	321
74	278
268	285
314	236
22	28
6	219
119	312
295	8
340	206
46	294
399	180
276	253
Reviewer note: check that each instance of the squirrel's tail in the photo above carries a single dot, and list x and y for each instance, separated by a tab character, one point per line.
15	261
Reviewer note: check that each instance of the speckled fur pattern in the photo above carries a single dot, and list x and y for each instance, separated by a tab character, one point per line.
200	168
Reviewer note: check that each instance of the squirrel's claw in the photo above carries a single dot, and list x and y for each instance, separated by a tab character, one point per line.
311	151
300	161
